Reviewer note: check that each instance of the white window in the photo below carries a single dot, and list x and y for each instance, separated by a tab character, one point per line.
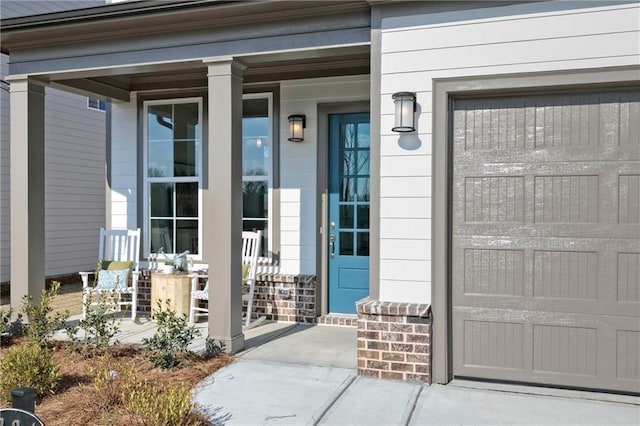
95	103
257	164
173	173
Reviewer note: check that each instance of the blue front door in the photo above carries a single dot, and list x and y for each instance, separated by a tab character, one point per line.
348	210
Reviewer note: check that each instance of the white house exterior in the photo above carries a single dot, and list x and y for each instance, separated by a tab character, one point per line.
499	240
75	148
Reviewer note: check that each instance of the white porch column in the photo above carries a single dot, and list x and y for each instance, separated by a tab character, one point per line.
27	188
222	202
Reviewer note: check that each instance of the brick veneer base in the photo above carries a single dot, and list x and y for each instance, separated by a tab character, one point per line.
290	298
394	340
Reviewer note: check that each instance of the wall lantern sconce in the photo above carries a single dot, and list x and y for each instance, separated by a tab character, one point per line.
297	124
405	112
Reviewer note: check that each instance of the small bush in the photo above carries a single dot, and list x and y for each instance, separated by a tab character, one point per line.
41	324
5	320
166	406
28	365
167	348
98	329
110	380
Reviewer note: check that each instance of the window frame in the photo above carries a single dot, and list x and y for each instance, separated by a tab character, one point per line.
146	180
270	169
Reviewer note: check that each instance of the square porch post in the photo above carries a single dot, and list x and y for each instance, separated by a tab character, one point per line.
27	188
222	202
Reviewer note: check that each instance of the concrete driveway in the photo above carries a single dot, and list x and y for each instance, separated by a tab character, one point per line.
305	375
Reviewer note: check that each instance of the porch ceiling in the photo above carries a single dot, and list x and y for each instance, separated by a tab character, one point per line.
118	83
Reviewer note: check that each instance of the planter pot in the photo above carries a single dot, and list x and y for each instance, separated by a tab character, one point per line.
168	269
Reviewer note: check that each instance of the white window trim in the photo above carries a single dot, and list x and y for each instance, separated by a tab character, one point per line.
95	109
146	180
269	181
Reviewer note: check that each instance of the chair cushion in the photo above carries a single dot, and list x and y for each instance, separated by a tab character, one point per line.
245	270
112	279
115	265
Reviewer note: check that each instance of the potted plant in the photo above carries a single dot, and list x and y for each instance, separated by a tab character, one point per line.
168	267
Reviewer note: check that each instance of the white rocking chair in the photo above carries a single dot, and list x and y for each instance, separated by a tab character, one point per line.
250	250
116	246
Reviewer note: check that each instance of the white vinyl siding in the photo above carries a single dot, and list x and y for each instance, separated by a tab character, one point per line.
298	164
124	165
497	40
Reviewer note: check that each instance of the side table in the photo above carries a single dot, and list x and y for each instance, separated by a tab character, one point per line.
175	287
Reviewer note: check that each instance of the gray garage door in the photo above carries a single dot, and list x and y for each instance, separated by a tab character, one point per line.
546	239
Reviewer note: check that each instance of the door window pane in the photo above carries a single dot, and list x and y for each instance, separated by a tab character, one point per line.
363	189
346	216
346	189
346	243
348	135
363	163
347	165
363	244
364	134
363	217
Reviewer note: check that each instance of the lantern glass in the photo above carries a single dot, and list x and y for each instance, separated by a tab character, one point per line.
296	127
405	103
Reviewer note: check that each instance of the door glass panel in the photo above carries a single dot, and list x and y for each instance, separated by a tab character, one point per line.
363	163
187	199
346	243
363	217
346	189
347	166
363	135
346	216
363	189
363	244
161	199
348	135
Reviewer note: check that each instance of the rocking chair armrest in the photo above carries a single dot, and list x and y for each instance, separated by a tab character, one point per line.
85	278
195	281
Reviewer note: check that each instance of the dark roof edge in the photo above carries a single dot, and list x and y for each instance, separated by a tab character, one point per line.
114	10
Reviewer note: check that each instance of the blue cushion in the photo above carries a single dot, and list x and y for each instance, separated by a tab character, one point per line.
112	279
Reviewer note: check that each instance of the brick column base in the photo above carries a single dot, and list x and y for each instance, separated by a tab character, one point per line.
394	340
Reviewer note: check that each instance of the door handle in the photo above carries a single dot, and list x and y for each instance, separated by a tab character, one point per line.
332	245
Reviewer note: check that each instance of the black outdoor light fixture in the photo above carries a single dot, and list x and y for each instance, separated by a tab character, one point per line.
297	124
405	112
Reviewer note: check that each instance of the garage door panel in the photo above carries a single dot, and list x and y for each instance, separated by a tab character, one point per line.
545	239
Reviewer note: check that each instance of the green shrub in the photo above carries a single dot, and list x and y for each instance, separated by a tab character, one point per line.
28	365
98	329
5	320
41	325
167	348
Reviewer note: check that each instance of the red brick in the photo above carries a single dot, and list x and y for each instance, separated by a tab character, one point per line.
374	344
362	363
421	377
369	335
418	358
425	369
392	337
368	354
418	338
401	347
367	372
396	366
422	329
378	326
377	365
401	328
362	344
421	349
392	356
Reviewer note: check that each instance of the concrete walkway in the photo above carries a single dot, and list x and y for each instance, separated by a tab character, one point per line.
294	374
303	375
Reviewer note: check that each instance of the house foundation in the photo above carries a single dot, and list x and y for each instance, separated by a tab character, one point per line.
394	340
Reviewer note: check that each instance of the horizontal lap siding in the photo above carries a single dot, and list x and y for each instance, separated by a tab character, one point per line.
298	165
5	257
75	182
500	40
